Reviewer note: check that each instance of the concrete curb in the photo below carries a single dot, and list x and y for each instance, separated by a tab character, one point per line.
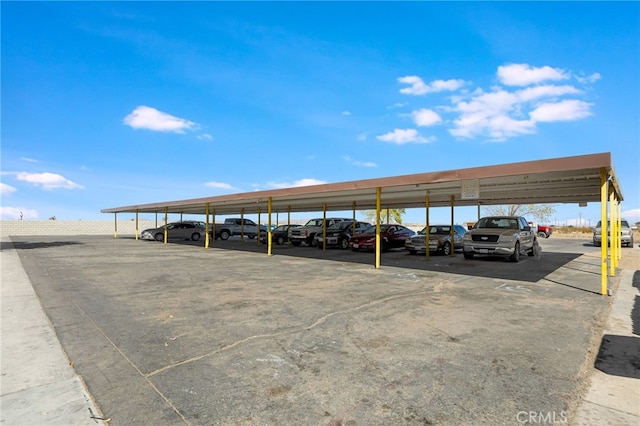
614	393
38	385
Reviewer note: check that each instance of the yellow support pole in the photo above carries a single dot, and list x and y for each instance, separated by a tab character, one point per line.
604	189
115	229
166	220
137	232
453	198
269	236
613	243
206	227
378	202
427	234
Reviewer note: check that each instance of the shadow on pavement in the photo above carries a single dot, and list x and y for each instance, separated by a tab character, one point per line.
619	356
529	269
26	245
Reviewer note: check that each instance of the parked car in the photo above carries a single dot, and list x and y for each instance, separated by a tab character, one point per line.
237	226
339	233
279	235
307	233
185	230
626	234
439	239
508	236
391	236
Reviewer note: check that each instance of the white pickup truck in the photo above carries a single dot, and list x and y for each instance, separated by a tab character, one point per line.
236	226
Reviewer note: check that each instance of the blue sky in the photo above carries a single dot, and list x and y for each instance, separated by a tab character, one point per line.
108	104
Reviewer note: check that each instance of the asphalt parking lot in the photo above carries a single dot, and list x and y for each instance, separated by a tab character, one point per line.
180	334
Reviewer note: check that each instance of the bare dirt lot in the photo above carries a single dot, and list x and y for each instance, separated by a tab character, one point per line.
179	334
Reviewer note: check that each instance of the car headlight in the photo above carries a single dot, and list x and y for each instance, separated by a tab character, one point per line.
506	238
466	237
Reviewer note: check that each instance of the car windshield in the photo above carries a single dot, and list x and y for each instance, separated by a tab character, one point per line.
436	229
498	222
339	226
623	223
314	222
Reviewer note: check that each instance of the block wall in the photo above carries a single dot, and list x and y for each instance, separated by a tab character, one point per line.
78	227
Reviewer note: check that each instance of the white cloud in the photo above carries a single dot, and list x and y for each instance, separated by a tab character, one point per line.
144	117
490	114
346	113
526	96
397	105
567	110
537	92
404	136
6	189
219	185
359	163
297	183
524	74
426	117
48	180
205	137
497	126
418	86
8	213
589	78
29	160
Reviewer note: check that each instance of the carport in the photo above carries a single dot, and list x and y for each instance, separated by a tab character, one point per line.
577	179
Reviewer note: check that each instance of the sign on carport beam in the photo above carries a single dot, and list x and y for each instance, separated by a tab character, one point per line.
470	189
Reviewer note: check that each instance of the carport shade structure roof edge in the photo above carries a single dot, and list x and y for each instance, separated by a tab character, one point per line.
557	180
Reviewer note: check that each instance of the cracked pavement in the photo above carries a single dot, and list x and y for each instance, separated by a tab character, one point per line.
179	334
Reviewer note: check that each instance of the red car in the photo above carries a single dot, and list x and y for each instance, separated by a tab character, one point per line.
391	236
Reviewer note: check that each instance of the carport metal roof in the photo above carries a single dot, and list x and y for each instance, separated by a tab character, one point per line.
558	180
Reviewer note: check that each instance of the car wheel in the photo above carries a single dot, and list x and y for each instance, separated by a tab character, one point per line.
344	244
596	244
515	257
534	250
280	240
446	250
195	236
311	241
159	237
542	234
468	255
224	235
